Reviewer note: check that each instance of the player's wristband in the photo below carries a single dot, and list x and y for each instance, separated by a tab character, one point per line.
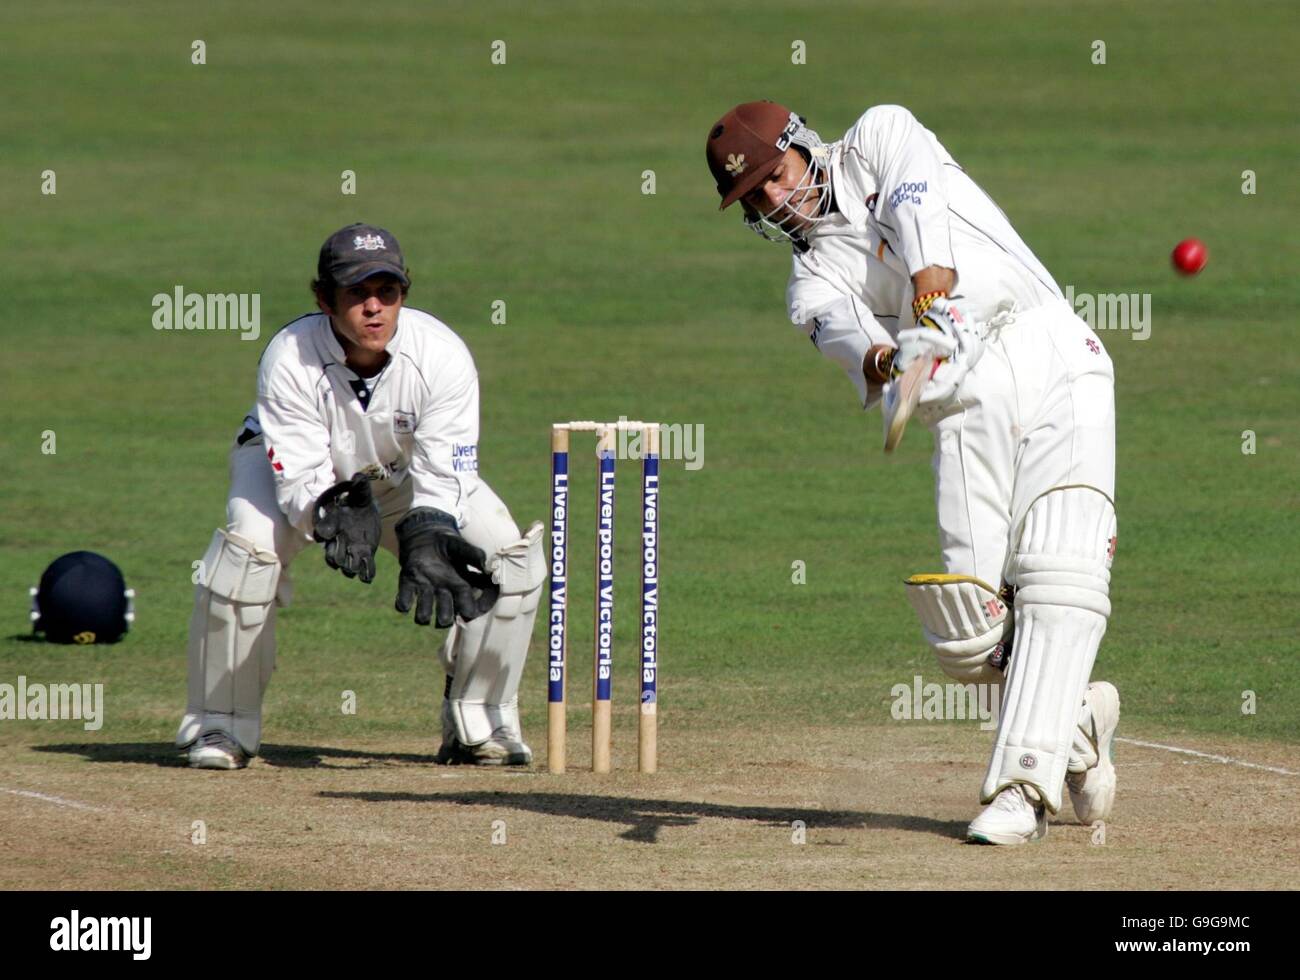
923	302
878	368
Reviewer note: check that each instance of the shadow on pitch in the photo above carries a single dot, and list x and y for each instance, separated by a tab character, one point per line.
643	818
166	755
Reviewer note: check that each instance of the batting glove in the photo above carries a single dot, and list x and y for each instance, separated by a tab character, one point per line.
942	331
921	341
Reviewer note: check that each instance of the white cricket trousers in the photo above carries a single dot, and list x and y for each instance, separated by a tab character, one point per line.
1036	412
232	655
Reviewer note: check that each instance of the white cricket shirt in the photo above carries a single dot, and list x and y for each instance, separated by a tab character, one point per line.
903	204
417	420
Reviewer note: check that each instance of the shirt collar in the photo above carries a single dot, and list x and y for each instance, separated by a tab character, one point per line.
330	342
395	345
335	349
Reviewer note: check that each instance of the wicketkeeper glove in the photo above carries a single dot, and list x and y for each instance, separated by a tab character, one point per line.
440	567
346	519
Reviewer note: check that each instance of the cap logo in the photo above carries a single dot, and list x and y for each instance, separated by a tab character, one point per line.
736	164
368	243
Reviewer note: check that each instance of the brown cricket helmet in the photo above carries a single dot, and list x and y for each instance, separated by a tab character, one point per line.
745	146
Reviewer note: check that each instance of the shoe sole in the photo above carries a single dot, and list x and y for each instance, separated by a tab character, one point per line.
215	760
1009	840
513	759
1104	774
459	756
1006	840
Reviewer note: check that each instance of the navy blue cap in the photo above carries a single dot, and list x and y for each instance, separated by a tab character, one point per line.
358	252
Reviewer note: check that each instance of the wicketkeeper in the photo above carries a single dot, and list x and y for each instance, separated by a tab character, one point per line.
899	255
365	434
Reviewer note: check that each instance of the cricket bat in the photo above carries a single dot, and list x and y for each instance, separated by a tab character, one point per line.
906	394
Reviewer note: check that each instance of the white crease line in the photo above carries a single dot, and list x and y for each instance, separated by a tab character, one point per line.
1205	755
58	800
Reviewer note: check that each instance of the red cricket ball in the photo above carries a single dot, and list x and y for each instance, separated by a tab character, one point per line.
1189	256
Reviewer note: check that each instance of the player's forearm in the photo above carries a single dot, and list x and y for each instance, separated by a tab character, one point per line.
298	504
443	468
298	447
296	489
438	491
934	279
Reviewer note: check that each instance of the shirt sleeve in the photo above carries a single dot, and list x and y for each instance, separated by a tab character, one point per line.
902	160
445	461
844	330
297	443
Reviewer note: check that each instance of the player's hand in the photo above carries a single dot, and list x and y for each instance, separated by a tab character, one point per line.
937	333
943	331
440	568
921	341
346	518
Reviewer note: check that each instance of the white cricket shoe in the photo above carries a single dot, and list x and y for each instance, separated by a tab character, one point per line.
217	750
1016	816
494	752
1090	775
506	747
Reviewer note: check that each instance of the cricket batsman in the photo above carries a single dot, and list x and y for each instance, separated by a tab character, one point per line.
365	433
898	256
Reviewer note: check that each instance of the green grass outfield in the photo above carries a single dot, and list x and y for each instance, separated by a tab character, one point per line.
522	182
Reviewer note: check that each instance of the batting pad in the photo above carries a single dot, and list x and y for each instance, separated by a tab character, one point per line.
488	653
232	642
1062	570
964	620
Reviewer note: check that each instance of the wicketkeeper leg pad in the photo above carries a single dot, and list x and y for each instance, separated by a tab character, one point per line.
232	641
964	620
1061	569
486	656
